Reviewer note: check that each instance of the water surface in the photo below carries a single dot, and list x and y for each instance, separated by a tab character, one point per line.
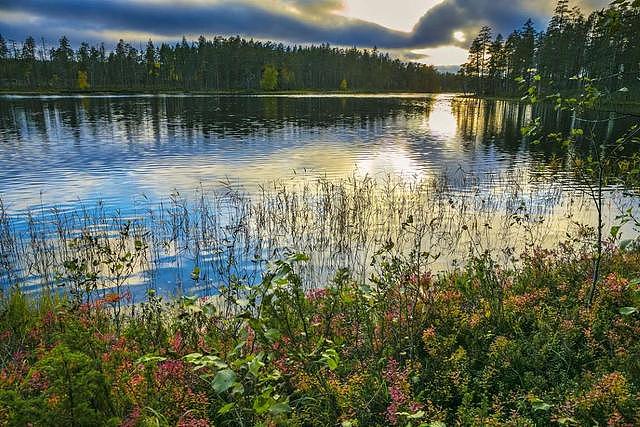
126	154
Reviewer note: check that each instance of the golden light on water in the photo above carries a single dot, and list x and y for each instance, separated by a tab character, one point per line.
442	122
391	158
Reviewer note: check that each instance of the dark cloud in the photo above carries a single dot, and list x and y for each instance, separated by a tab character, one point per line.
437	25
218	18
299	21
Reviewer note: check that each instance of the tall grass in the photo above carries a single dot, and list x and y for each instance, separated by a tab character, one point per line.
200	242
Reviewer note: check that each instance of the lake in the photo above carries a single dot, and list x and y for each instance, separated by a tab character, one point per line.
256	169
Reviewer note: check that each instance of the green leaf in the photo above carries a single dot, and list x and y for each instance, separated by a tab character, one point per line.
255	364
224	380
193	357
226	408
614	231
540	406
189	300
300	256
331	358
416	416
280	408
272	334
627	311
149	359
195	274
262	403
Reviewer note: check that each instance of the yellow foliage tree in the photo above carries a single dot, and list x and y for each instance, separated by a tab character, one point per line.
269	79
343	85
82	80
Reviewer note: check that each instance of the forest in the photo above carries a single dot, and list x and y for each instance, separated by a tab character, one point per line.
602	46
218	64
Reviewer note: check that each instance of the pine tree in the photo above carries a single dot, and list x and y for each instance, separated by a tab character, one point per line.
29	49
4	50
496	63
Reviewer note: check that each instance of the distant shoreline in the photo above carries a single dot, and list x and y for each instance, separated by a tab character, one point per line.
201	92
629	107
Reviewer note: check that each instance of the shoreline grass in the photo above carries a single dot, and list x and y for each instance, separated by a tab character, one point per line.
478	345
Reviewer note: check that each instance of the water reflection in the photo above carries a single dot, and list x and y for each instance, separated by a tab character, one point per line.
57	149
452	161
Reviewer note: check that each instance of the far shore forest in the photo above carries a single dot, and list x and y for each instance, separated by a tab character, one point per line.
601	46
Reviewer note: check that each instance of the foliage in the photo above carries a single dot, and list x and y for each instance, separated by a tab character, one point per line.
481	345
602	46
597	161
218	64
82	82
269	79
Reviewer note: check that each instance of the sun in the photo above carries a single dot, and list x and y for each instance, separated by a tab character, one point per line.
459	36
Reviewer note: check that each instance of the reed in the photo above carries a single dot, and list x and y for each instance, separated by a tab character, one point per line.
201	242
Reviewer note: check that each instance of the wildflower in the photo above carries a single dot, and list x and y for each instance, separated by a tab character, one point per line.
428	335
49	318
610	391
423	280
111	298
567	325
189	421
38	381
133	418
176	342
315	295
615	285
251	337
475	319
170	371
399	391
202	345
136	381
53	400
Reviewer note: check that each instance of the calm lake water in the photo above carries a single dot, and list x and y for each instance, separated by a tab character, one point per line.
130	152
56	150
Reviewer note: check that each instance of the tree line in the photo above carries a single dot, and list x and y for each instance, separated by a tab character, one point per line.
602	46
218	64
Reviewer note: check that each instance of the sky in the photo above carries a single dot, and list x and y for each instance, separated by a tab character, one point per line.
435	32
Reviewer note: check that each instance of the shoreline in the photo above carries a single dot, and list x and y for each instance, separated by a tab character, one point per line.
200	92
629	107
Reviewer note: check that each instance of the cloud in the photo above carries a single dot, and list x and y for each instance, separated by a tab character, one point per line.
438	25
453	69
294	21
222	17
409	55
